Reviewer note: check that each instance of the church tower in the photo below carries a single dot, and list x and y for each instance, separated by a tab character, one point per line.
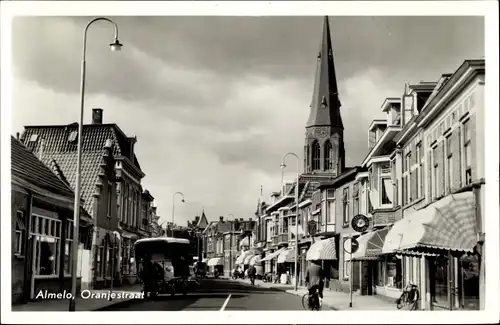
324	144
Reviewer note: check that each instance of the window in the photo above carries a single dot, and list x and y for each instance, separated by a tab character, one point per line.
355	198
331	210
449	163
46	234
386	191
316	152
125	203
134	213
407	189
345	209
73	136
110	199
467	152
20	233
126	256
420	161
435	172
144	216
328	155
393	272
68	246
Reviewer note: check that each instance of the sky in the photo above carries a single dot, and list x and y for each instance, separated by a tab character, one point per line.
215	102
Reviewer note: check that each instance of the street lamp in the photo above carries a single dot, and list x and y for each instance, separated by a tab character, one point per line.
173	207
283	165
115	46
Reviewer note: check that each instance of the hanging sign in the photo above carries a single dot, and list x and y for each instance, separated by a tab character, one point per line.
360	223
351	245
312	227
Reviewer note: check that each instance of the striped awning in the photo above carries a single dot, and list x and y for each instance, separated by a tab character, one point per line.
205	260
287	256
272	255
215	261
255	260
448	224
322	250
370	245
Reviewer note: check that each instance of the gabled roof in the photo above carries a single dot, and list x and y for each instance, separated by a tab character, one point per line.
325	106
203	222
57	148
26	166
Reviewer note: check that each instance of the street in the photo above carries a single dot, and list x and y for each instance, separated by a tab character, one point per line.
217	295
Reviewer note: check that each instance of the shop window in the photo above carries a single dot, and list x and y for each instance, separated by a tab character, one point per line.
109	261
347	269
469	282
99	261
439	282
380	274
393	273
47	241
331	212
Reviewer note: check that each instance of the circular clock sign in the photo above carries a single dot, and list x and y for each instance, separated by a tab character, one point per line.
351	245
360	223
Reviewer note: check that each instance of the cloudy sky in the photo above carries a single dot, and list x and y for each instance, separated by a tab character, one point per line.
216	101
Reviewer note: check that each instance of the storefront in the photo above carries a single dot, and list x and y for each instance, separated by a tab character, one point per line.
438	247
127	260
271	259
216	264
286	261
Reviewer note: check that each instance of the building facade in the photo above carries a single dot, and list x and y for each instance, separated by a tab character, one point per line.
42	227
116	206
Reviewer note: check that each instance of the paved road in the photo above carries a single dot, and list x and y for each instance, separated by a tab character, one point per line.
212	295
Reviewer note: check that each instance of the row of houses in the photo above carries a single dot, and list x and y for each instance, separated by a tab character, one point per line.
421	186
223	241
115	208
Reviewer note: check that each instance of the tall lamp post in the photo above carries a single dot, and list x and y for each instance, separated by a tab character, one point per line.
115	46
283	165
173	208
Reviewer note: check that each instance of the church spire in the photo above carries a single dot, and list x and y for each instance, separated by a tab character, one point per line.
325	106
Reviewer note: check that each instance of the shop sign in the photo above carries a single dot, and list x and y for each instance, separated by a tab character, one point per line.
351	245
312	227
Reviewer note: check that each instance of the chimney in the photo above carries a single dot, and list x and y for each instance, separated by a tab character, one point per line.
221	219
17	136
96	115
132	141
196	219
241	219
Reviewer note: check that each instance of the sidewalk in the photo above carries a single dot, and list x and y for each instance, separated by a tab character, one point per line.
93	303
334	299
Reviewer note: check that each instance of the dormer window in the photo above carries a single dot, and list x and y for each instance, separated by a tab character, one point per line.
73	136
34	137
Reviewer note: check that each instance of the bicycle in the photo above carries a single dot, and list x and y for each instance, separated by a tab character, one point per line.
311	301
409	297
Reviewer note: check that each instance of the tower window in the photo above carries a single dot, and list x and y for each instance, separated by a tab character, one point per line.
328	155
316	151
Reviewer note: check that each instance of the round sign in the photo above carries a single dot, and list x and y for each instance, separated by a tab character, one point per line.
360	223
351	245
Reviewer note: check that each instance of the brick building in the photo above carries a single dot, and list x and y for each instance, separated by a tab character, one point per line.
42	226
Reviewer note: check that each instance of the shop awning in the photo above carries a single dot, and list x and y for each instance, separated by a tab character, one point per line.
287	256
449	224
247	259
370	245
205	260
215	261
245	242
322	250
241	259
273	255
255	260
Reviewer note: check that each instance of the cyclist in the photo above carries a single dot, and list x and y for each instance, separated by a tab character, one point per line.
315	279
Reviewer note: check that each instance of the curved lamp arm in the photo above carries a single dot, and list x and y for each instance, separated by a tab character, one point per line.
115	46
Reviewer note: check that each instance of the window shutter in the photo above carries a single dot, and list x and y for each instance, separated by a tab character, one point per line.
472	128
457	157
429	174
441	168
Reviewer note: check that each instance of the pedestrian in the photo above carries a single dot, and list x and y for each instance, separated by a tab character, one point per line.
252	271
315	279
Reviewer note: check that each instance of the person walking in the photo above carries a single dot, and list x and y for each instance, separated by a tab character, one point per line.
252	272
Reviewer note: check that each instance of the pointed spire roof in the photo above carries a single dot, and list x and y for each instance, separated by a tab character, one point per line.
203	222
325	106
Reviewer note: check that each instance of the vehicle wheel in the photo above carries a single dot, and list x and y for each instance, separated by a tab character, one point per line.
305	301
401	301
